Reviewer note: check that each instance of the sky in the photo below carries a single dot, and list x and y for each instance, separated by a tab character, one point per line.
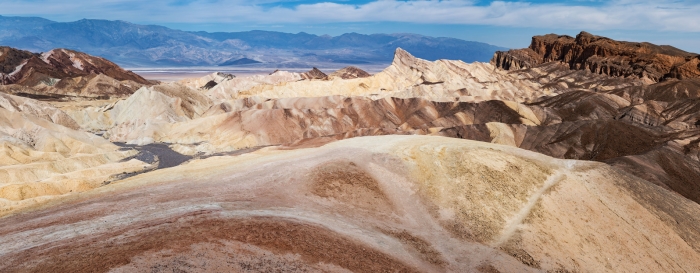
504	23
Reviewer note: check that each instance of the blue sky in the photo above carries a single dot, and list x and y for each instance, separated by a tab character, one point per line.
503	23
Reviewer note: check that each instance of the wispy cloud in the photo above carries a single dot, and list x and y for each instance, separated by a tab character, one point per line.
681	16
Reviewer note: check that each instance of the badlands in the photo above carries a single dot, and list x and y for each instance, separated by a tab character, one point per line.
577	154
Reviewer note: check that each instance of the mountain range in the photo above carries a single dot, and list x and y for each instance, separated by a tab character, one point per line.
135	45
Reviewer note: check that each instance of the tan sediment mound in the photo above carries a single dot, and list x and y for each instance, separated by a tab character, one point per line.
370	204
148	110
658	154
37	109
40	159
410	77
227	86
145	111
604	56
286	121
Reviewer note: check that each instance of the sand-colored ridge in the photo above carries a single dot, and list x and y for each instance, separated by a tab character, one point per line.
408	77
433	194
40	159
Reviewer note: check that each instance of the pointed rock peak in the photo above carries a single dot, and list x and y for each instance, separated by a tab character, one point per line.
402	56
404	60
314	74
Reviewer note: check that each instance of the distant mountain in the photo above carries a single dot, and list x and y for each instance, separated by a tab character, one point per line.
241	61
129	44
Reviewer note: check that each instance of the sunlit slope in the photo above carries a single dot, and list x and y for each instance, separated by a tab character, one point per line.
409	203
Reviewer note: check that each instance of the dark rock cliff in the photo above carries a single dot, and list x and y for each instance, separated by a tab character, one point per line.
603	56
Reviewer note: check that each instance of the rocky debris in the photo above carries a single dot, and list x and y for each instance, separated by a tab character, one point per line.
349	72
604	56
313	74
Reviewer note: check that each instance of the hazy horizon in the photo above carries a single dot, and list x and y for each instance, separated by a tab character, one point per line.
502	23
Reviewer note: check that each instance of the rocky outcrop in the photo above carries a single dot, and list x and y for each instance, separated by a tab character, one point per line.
313	74
349	72
516	59
604	56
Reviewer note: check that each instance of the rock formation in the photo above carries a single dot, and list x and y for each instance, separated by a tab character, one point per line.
63	72
604	56
410	77
25	68
349	72
314	74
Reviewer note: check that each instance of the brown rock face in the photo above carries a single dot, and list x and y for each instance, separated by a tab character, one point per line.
29	69
350	72
314	74
604	56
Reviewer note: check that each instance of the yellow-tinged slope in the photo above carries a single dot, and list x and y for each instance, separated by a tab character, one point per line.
413	203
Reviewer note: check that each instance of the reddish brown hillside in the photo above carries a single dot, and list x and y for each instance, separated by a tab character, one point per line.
604	56
28	69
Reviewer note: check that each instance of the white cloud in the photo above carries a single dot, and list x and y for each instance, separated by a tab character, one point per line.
679	16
